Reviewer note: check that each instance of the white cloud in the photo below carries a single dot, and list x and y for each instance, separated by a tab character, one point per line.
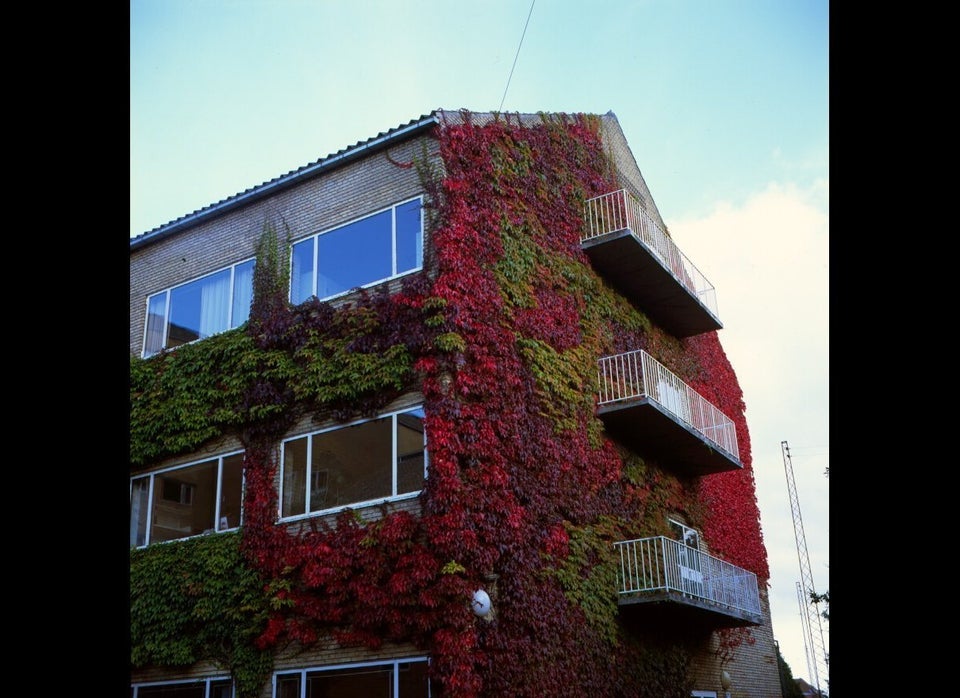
768	260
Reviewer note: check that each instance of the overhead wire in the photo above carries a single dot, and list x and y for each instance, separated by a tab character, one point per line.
510	77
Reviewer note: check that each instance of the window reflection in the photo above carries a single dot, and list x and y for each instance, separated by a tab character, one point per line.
187	501
358	254
362	462
198	309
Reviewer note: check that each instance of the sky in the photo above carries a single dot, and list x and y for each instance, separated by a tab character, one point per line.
725	105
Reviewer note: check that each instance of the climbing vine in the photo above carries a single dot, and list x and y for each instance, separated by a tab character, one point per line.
196	600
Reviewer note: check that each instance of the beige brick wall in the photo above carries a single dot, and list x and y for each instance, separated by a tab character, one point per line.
753	670
200	670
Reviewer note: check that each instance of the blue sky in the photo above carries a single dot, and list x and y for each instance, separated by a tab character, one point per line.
724	104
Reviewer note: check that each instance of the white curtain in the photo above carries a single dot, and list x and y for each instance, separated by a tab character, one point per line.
215	304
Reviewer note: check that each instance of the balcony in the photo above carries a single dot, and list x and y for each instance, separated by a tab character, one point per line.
649	409
627	247
675	582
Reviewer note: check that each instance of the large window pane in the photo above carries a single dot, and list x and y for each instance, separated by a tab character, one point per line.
199	309
410	452
221	689
184	502
369	682
357	461
354	255
242	293
409	236
414	682
301	275
294	478
156	324
288	686
139	505
231	492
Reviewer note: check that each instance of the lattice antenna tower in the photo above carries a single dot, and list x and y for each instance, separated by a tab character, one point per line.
805	624
808	610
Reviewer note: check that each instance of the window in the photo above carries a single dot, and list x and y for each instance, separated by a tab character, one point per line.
397	679
685	534
186	500
214	303
363	252
688	558
371	460
195	688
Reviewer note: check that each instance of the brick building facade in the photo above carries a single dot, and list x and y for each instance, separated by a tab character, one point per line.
464	390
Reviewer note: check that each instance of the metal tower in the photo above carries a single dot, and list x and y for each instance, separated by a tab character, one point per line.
805	624
817	663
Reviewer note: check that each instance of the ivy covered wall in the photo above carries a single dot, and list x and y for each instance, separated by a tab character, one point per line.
525	496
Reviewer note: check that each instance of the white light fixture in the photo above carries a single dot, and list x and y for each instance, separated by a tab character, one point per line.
725	682
481	603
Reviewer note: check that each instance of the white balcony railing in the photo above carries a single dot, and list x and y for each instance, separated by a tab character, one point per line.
621	210
663	564
636	374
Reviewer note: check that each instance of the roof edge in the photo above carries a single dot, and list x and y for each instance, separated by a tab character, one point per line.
290	179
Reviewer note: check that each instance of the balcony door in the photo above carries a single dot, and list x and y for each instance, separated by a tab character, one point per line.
688	559
671	397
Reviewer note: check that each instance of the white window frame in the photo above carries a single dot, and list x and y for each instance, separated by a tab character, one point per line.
703	694
393	252
165	293
395	663
218	517
687	534
308	479
135	692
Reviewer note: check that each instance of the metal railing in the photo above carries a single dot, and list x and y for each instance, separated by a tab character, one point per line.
636	374
663	564
619	210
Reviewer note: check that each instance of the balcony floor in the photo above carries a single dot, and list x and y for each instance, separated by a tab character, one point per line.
649	429
632	268
671	607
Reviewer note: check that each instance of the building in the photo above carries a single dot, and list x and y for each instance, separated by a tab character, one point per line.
806	690
444	413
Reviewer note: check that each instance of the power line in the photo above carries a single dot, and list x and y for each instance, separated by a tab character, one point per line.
532	3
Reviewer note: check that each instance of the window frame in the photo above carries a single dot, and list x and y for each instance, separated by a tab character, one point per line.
207	681
308	471
393	663
687	533
394	254
166	294
154	491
